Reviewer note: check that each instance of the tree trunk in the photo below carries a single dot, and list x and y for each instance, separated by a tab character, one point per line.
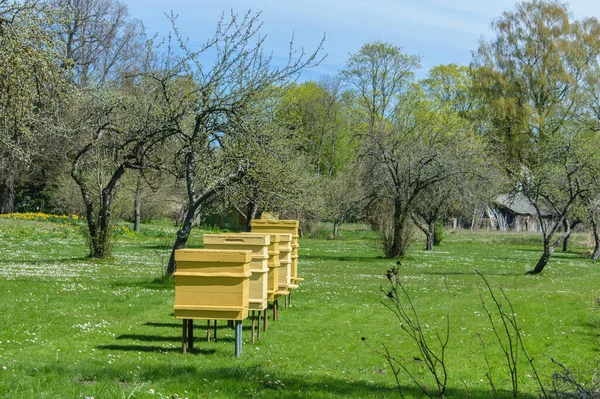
565	247
7	194
99	224
251	214
100	233
336	226
138	204
100	243
596	253
430	236
542	262
568	228
548	251
398	245
426	229
182	236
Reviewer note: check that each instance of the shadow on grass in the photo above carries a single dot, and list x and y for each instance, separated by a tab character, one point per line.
240	381
201	325
153	324
159	283
149	338
44	261
199	332
468	273
357	258
571	254
161	349
157	246
160	338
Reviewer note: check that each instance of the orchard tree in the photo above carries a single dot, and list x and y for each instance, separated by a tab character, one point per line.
593	207
532	77
423	146
451	88
435	202
277	179
116	130
343	196
217	123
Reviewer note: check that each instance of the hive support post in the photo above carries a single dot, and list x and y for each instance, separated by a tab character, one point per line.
275	309
266	319
253	327
207	330
290	299
258	332
184	337
190	334
215	328
238	338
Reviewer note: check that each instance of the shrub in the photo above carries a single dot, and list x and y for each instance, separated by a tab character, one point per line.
438	232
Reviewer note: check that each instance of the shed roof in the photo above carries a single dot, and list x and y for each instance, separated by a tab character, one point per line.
520	204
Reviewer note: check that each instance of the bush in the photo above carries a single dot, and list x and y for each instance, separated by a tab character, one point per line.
438	232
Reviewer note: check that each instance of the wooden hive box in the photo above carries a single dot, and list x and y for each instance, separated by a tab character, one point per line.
295	279
274	264
212	284
285	259
259	245
282	226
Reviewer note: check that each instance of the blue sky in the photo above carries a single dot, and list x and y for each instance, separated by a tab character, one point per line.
441	31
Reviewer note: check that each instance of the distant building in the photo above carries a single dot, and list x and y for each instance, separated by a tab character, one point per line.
516	212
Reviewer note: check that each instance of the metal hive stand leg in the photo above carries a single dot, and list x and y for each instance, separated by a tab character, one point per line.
253	327
238	338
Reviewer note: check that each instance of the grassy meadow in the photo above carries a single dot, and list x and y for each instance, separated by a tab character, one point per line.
74	327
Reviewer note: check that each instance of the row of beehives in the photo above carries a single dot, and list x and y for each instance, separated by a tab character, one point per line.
237	273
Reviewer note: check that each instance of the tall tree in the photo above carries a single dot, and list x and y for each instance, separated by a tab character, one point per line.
451	88
315	114
116	130
217	121
423	146
532	76
31	91
100	42
378	73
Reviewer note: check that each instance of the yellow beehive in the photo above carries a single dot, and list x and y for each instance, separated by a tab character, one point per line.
259	245
273	263
285	260
282	226
295	279
212	284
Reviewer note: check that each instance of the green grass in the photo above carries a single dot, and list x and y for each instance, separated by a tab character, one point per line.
76	327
